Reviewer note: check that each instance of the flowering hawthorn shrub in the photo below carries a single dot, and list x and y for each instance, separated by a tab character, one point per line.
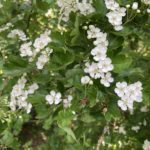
74	74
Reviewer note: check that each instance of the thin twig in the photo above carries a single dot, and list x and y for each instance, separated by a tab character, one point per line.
100	139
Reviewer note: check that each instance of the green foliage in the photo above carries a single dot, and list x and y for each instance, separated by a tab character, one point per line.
94	107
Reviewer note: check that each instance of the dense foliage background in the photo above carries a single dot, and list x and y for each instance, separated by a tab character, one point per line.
94	120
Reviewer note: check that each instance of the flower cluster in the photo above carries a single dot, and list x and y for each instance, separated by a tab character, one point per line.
6	27
16	32
56	98
43	58
135	128
102	66
40	43
84	7
19	95
146	145
116	14
147	2
128	94
26	50
67	101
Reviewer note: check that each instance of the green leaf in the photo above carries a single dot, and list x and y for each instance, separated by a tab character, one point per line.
64	118
87	118
127	30
60	60
115	42
47	123
69	132
121	63
100	7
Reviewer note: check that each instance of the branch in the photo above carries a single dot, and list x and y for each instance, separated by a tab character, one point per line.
101	138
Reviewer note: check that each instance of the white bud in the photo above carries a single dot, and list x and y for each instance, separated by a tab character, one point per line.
128	6
148	10
138	11
135	6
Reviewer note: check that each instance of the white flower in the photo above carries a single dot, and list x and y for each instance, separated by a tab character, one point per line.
128	94
118	28
84	7
6	27
145	122
111	4
42	41
120	88
67	101
135	6
146	145
116	14
66	7
42	60
114	18
53	98
86	80
107	79
98	53
148	10
121	130
101	68
144	109
146	1
136	128
93	70
21	35
28	108
1	5
128	6
32	88
18	96
105	65
93	32
25	49
125	104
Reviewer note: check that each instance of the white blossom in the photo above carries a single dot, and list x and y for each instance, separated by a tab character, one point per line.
85	7
16	32
135	5
146	145
6	27
42	41
19	95
26	50
116	14
147	2
32	88
148	10
103	65
66	7
136	128
86	80
144	109
144	122
53	98
128	94
43	58
67	101
107	79
122	130
93	70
